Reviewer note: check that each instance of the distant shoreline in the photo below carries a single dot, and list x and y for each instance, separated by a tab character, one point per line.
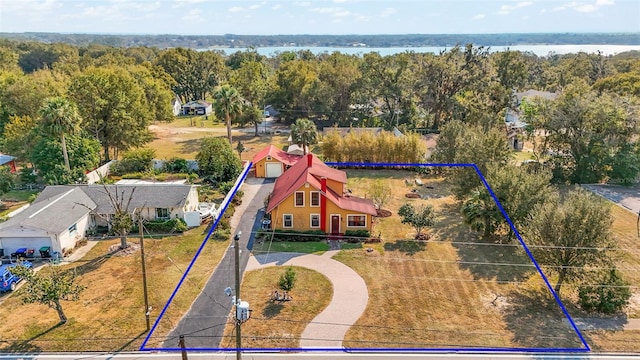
332	41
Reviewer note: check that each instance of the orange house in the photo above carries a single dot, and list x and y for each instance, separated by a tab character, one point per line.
311	196
271	162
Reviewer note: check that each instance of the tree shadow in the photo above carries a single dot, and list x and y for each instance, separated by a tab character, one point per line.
26	346
128	343
485	259
91	265
537	321
190	146
409	247
272	309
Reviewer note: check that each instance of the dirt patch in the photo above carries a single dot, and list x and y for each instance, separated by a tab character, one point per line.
381	213
412	195
495	301
116	251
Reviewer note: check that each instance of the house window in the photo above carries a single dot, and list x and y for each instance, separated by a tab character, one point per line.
162	213
287	220
73	229
315	221
356	220
315	198
299	201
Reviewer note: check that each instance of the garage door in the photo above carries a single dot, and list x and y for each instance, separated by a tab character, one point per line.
273	170
10	245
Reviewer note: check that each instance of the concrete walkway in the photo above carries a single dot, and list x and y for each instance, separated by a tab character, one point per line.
350	296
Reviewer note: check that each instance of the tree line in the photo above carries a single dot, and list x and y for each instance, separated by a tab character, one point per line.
119	91
383	40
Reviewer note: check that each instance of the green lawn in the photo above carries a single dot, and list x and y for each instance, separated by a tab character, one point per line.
19	195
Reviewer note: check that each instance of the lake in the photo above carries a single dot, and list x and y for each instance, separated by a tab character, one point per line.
540	50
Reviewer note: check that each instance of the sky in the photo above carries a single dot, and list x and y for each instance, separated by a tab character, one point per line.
268	17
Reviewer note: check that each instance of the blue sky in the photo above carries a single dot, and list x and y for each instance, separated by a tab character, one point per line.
215	17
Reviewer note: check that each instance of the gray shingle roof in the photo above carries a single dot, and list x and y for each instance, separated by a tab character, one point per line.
144	196
59	206
53	212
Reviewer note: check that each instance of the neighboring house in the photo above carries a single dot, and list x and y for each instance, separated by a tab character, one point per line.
270	111
176	105
8	160
271	162
514	126
311	196
295	149
61	215
515	130
198	107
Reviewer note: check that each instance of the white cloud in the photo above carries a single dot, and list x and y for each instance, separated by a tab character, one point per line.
235	9
254	6
388	12
194	15
585	7
479	17
335	12
276	7
302	3
507	9
339	1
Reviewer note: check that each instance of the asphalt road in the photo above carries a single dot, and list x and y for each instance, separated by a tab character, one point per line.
203	326
322	355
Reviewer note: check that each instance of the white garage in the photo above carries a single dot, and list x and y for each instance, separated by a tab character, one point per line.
273	170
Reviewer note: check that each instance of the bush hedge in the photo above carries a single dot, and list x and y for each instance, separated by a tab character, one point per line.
166	226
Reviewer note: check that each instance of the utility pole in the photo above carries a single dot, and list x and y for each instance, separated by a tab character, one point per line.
236	247
144	273
182	347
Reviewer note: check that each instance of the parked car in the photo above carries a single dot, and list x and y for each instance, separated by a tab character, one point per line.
9	281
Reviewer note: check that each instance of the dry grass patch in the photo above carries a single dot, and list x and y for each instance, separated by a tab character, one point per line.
178	139
448	291
110	313
279	325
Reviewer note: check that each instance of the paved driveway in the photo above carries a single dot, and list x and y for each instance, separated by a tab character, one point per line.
203	326
626	196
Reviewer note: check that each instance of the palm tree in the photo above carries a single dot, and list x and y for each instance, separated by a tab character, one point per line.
480	211
304	133
60	116
228	104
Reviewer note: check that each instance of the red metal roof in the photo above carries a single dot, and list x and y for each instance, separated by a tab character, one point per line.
280	155
301	172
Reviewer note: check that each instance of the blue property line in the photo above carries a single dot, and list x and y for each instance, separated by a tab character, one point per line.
204	242
382	350
395	350
526	249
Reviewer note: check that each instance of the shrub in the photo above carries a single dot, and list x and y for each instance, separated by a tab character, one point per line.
354	236
221	235
138	160
166	226
298	236
225	187
176	165
607	298
287	280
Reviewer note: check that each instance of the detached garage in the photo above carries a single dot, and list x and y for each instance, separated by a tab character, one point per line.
58	221
272	162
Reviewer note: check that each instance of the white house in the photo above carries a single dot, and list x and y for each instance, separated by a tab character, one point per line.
198	107
62	214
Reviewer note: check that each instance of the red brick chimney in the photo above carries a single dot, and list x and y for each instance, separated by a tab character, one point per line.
323	204
309	160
